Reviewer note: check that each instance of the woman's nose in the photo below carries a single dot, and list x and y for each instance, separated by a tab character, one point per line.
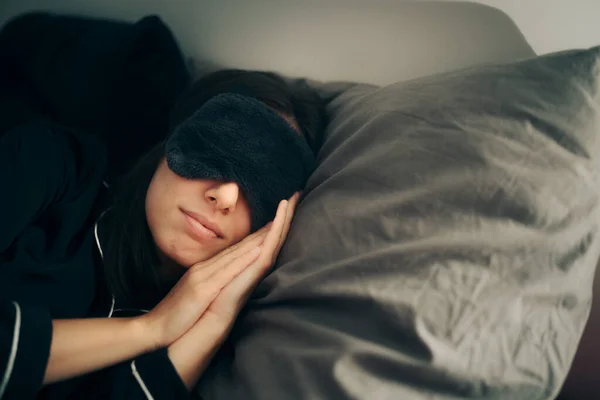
225	196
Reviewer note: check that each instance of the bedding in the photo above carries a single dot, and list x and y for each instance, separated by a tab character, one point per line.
445	246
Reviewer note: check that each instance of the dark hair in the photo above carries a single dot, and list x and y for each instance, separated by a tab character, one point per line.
293	98
131	262
130	257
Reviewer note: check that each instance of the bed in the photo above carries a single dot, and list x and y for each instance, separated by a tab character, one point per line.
447	243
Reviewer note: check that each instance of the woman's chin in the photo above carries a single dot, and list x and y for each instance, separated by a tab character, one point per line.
177	251
187	259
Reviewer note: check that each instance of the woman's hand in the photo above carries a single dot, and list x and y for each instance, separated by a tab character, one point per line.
197	288
226	306
191	353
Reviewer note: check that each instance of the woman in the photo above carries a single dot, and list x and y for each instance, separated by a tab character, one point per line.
184	235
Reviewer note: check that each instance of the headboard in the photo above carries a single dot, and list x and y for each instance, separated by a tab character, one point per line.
375	41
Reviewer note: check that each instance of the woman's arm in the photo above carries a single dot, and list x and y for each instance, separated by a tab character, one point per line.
78	346
192	353
149	376
153	375
41	165
84	345
81	346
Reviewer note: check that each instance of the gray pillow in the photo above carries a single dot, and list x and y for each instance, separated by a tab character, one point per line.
445	247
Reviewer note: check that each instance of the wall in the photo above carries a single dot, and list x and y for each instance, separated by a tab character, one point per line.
553	25
377	41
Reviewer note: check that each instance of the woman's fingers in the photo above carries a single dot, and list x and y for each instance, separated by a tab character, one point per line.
231	298
272	239
293	203
222	283
222	269
191	296
238	248
208	268
242	247
228	272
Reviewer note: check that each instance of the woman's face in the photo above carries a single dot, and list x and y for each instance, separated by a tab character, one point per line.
192	220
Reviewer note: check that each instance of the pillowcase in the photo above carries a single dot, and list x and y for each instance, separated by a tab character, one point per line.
445	246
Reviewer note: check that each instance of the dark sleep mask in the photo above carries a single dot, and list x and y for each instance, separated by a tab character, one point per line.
234	138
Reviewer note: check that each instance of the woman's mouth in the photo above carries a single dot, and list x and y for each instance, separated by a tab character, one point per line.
200	228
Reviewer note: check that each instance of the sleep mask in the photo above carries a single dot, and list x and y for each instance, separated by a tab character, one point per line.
235	138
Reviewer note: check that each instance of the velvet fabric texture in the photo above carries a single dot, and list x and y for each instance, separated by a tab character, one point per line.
239	139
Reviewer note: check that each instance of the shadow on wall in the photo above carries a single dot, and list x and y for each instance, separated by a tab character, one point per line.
376	41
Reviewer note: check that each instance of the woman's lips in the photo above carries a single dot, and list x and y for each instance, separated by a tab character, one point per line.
198	228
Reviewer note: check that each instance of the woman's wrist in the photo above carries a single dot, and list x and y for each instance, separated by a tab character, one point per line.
83	345
191	354
146	332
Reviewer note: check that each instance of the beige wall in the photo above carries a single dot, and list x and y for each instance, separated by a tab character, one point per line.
378	41
553	25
